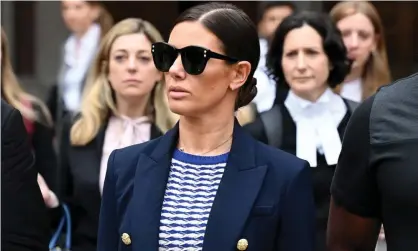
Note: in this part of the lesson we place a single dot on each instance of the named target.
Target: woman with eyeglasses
(207, 184)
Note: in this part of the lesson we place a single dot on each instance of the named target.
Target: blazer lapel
(236, 194)
(150, 182)
(90, 156)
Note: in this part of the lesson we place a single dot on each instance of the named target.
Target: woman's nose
(177, 70)
(132, 65)
(301, 62)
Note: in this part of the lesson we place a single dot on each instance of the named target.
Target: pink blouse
(121, 132)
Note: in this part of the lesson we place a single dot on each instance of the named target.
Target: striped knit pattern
(191, 189)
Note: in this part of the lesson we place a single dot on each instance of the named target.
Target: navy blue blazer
(265, 197)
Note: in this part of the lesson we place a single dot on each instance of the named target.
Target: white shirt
(77, 63)
(317, 126)
(121, 132)
(352, 90)
(266, 86)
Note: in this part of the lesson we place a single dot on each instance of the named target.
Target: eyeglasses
(193, 58)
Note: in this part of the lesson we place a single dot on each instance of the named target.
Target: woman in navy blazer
(207, 184)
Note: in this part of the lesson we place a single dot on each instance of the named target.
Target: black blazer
(265, 196)
(54, 103)
(79, 185)
(42, 141)
(24, 219)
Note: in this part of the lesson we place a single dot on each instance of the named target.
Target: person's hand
(382, 234)
(50, 199)
(46, 192)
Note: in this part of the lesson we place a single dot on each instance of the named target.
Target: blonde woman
(363, 35)
(88, 22)
(37, 120)
(123, 106)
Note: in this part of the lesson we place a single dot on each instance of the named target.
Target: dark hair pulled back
(238, 35)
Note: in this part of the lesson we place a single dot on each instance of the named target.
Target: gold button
(242, 245)
(126, 239)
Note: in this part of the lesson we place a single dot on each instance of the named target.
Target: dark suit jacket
(79, 185)
(24, 219)
(265, 196)
(42, 144)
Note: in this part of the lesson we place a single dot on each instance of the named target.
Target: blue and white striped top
(191, 189)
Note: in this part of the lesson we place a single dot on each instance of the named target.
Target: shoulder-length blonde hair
(376, 72)
(14, 94)
(98, 102)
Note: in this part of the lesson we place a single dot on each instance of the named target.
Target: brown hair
(238, 34)
(105, 19)
(246, 94)
(13, 93)
(376, 72)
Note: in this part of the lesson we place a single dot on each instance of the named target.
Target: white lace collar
(317, 126)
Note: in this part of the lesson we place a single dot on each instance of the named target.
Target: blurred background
(36, 31)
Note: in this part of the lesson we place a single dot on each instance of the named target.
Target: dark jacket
(265, 196)
(42, 142)
(24, 219)
(79, 185)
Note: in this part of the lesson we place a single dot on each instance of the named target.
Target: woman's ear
(240, 75)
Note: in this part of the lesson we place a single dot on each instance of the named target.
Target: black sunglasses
(194, 58)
